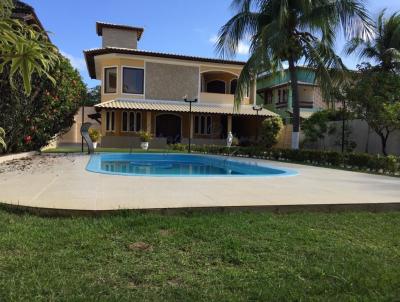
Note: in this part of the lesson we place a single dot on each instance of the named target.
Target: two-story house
(275, 93)
(145, 91)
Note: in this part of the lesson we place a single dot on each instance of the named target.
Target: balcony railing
(220, 98)
(303, 104)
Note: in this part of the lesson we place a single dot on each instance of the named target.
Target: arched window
(216, 86)
(233, 86)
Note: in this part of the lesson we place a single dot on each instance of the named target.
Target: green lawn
(208, 257)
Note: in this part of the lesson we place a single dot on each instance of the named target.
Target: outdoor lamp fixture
(257, 108)
(190, 119)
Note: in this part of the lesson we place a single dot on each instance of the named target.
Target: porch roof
(181, 106)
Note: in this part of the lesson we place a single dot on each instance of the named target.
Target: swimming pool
(160, 164)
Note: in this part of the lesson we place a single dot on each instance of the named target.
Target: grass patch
(203, 256)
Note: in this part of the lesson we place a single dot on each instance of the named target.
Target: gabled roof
(92, 53)
(101, 25)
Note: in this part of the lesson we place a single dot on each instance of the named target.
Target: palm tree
(2, 142)
(384, 48)
(292, 31)
(26, 49)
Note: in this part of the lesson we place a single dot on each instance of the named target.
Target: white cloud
(77, 62)
(242, 49)
(213, 39)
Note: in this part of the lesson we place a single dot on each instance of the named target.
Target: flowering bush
(30, 122)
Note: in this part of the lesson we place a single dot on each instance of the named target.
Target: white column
(254, 92)
(229, 126)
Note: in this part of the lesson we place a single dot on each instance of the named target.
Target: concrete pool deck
(62, 182)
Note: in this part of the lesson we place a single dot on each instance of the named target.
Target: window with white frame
(131, 121)
(110, 80)
(133, 80)
(283, 95)
(110, 121)
(202, 124)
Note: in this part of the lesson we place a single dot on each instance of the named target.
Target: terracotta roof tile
(180, 106)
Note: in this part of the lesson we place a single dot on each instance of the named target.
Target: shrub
(179, 147)
(357, 161)
(316, 128)
(94, 134)
(270, 129)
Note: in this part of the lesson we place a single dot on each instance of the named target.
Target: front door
(169, 126)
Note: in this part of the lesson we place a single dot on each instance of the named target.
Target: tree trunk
(295, 104)
(343, 125)
(367, 142)
(384, 138)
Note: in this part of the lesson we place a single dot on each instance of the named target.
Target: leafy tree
(317, 126)
(270, 129)
(292, 31)
(24, 48)
(30, 122)
(384, 48)
(93, 96)
(375, 97)
(2, 136)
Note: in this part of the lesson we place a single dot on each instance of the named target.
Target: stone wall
(119, 38)
(171, 82)
(366, 139)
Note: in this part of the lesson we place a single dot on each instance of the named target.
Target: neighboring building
(144, 90)
(274, 92)
(26, 13)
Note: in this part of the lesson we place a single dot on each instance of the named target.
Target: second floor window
(283, 95)
(110, 80)
(202, 124)
(133, 80)
(131, 121)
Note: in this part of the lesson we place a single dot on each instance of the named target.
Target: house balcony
(303, 104)
(219, 98)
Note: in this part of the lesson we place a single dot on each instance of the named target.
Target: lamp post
(257, 108)
(190, 119)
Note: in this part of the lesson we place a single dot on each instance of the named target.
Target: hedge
(353, 161)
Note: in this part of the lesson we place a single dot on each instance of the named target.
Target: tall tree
(25, 48)
(384, 48)
(292, 31)
(374, 96)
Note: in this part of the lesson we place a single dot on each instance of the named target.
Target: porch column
(254, 95)
(148, 121)
(229, 124)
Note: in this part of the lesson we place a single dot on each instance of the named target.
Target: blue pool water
(157, 164)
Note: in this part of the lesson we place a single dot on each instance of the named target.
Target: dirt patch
(140, 246)
(165, 233)
(33, 163)
(174, 282)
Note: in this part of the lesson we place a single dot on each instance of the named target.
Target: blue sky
(177, 26)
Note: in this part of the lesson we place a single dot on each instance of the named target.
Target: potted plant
(94, 136)
(145, 137)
